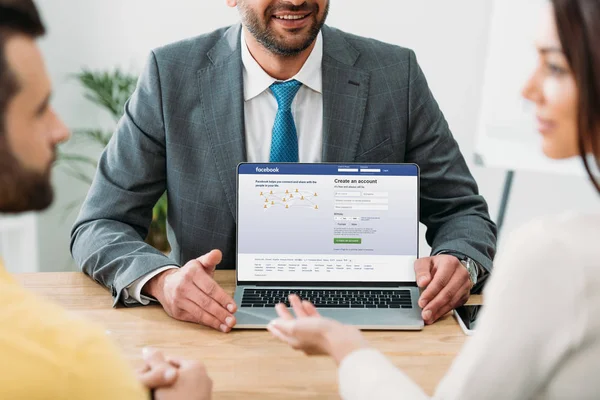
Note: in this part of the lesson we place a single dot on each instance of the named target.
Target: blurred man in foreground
(46, 353)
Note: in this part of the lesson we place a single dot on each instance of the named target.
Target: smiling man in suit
(280, 87)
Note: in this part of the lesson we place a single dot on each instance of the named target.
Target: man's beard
(22, 190)
(263, 33)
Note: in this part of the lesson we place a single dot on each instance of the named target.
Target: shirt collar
(256, 80)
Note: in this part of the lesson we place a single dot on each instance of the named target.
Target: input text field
(347, 194)
(359, 207)
(375, 194)
(362, 201)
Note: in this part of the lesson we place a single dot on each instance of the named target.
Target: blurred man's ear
(231, 3)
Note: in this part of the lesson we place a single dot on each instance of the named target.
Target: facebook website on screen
(327, 223)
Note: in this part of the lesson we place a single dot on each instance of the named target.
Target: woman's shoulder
(552, 240)
(556, 254)
(568, 226)
(566, 219)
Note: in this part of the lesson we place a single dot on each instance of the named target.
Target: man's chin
(43, 203)
(293, 48)
(30, 205)
(292, 43)
(23, 189)
(26, 196)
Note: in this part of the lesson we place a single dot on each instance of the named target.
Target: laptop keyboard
(329, 298)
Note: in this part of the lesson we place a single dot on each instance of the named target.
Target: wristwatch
(471, 266)
(472, 269)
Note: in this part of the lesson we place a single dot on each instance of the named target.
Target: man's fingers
(458, 300)
(161, 375)
(157, 372)
(423, 271)
(206, 303)
(208, 319)
(296, 304)
(143, 369)
(465, 297)
(210, 261)
(310, 309)
(283, 312)
(440, 313)
(455, 287)
(151, 355)
(175, 362)
(158, 378)
(190, 312)
(439, 281)
(208, 285)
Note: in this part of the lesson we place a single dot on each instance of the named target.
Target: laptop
(344, 236)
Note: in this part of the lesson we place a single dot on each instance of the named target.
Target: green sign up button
(347, 241)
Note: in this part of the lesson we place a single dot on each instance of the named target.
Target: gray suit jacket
(183, 132)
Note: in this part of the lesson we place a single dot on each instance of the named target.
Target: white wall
(18, 242)
(450, 38)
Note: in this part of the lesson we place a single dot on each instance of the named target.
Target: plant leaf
(67, 157)
(81, 176)
(70, 207)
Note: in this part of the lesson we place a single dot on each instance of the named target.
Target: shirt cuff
(368, 374)
(134, 291)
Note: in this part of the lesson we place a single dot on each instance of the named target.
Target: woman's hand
(313, 334)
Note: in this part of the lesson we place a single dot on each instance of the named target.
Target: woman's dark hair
(578, 23)
(16, 17)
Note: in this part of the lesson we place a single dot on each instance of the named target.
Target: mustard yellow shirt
(45, 353)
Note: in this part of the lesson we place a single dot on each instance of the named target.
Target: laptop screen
(327, 223)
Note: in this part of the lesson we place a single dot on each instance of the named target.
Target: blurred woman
(539, 336)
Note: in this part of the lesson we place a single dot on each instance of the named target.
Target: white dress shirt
(260, 109)
(538, 336)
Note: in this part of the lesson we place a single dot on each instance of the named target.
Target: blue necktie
(284, 143)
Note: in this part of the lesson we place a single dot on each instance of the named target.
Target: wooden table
(244, 364)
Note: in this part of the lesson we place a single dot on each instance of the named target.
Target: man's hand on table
(174, 379)
(191, 294)
(446, 285)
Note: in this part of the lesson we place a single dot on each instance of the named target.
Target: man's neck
(279, 67)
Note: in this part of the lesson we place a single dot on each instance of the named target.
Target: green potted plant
(109, 90)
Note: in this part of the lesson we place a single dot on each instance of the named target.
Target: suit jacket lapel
(222, 96)
(345, 92)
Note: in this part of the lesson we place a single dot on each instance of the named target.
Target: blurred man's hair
(17, 17)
